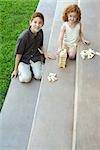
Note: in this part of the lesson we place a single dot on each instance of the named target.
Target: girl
(71, 31)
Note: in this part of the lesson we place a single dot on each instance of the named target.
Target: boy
(29, 50)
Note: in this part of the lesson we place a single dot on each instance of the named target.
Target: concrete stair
(53, 119)
(64, 115)
(88, 82)
(18, 110)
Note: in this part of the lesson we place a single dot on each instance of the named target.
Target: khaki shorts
(70, 47)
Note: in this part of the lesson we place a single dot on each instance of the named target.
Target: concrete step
(53, 118)
(88, 83)
(18, 110)
(17, 115)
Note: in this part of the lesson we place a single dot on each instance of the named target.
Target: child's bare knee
(72, 56)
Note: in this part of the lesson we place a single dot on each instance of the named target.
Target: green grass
(14, 18)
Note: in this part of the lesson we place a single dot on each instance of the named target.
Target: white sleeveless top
(72, 35)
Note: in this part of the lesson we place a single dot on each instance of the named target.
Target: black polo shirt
(28, 44)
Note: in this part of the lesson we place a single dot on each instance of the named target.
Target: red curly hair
(69, 9)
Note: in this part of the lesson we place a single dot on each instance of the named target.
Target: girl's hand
(85, 42)
(14, 74)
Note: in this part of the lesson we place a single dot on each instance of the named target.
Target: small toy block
(62, 59)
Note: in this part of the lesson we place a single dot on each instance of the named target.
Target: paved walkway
(18, 110)
(56, 126)
(64, 115)
(88, 82)
(53, 120)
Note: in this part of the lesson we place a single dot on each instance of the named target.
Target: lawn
(14, 18)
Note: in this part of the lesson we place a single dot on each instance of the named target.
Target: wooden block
(62, 58)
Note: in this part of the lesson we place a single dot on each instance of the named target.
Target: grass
(14, 18)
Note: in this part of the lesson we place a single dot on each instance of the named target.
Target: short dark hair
(37, 14)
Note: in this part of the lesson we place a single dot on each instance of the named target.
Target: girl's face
(36, 24)
(72, 17)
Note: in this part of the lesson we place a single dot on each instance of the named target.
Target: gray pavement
(64, 115)
(53, 120)
(88, 82)
(18, 110)
(17, 115)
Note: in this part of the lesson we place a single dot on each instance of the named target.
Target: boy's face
(72, 17)
(36, 24)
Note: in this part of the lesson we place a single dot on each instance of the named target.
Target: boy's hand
(58, 51)
(14, 74)
(50, 56)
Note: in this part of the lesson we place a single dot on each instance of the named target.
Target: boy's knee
(25, 79)
(37, 76)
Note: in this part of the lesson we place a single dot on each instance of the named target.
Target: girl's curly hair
(69, 9)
